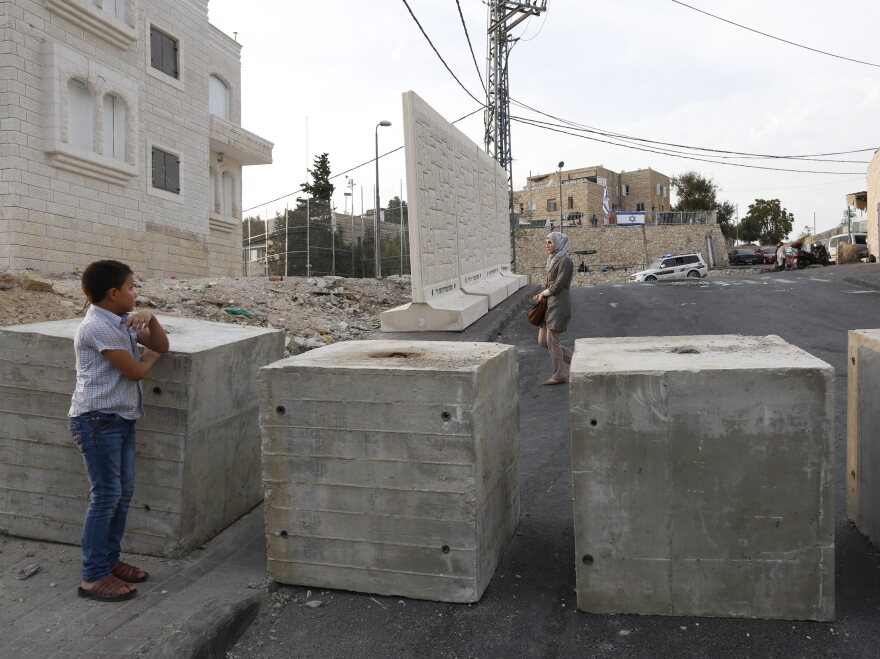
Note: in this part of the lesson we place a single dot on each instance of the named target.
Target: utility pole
(504, 15)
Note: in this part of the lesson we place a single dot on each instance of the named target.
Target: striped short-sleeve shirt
(100, 386)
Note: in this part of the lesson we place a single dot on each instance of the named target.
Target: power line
(675, 155)
(613, 134)
(770, 36)
(674, 148)
(437, 52)
(351, 169)
(470, 46)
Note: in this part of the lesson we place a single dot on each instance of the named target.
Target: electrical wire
(770, 36)
(675, 155)
(470, 46)
(585, 127)
(351, 169)
(437, 52)
(673, 149)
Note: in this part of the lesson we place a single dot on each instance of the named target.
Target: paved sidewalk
(197, 605)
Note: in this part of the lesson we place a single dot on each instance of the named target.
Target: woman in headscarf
(559, 272)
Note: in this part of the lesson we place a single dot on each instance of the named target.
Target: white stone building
(120, 137)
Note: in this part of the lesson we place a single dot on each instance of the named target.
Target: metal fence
(306, 243)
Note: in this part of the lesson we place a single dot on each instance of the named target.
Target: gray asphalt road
(529, 608)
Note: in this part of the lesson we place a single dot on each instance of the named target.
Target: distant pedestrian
(560, 270)
(106, 403)
(780, 256)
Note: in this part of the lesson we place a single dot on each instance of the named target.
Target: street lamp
(561, 225)
(377, 251)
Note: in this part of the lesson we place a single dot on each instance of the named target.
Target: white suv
(681, 266)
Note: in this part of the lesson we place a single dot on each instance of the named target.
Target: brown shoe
(107, 589)
(129, 573)
(552, 381)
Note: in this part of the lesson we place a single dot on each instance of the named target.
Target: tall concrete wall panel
(198, 446)
(391, 467)
(459, 228)
(863, 433)
(703, 472)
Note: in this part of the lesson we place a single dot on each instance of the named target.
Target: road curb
(211, 632)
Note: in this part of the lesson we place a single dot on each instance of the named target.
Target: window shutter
(158, 169)
(155, 49)
(169, 56)
(172, 173)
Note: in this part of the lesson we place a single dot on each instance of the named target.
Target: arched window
(218, 97)
(226, 194)
(80, 117)
(114, 127)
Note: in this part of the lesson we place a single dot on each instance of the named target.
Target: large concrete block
(198, 446)
(863, 433)
(391, 467)
(703, 473)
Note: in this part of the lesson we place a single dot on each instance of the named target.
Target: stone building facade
(874, 205)
(121, 137)
(583, 191)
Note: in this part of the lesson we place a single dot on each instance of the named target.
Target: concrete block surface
(198, 445)
(391, 467)
(863, 433)
(703, 471)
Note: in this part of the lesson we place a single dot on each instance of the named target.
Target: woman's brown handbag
(536, 313)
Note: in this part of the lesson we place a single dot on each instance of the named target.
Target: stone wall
(629, 248)
(874, 205)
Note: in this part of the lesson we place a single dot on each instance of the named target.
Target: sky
(318, 76)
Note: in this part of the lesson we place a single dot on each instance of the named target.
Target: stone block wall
(874, 205)
(62, 205)
(632, 248)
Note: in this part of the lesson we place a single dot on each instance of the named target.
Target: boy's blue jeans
(106, 442)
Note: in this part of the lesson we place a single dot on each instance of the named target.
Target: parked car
(767, 254)
(680, 266)
(859, 239)
(743, 256)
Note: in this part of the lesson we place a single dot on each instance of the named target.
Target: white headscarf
(562, 247)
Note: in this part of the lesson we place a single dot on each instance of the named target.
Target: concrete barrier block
(863, 433)
(391, 467)
(703, 473)
(198, 447)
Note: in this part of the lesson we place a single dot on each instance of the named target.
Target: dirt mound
(312, 311)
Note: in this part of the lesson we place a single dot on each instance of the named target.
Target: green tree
(396, 211)
(767, 221)
(320, 189)
(696, 192)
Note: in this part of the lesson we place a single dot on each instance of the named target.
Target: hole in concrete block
(283, 534)
(853, 360)
(280, 409)
(685, 350)
(157, 391)
(147, 507)
(852, 473)
(397, 354)
(446, 416)
(587, 559)
(445, 549)
(593, 422)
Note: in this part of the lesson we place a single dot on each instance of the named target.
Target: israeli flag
(606, 205)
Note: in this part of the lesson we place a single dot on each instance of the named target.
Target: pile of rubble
(312, 311)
